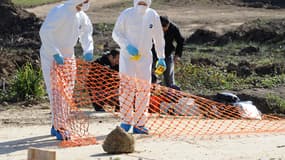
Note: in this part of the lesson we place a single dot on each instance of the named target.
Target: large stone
(119, 141)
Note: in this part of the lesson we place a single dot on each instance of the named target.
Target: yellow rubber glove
(159, 70)
(160, 66)
(136, 58)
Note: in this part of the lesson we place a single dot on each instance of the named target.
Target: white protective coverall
(140, 29)
(59, 33)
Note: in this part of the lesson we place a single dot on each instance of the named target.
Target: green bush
(276, 103)
(207, 79)
(198, 78)
(27, 84)
(264, 82)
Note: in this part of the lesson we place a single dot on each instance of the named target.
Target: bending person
(173, 53)
(63, 26)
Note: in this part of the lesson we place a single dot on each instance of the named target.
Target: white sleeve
(48, 31)
(158, 37)
(119, 32)
(85, 37)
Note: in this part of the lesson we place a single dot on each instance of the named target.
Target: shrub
(275, 103)
(27, 84)
(197, 78)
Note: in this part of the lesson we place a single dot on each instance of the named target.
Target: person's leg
(127, 92)
(63, 96)
(154, 78)
(142, 102)
(46, 63)
(143, 86)
(90, 83)
(169, 72)
(115, 99)
(94, 86)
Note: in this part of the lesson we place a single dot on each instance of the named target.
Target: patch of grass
(123, 4)
(210, 79)
(103, 27)
(263, 82)
(202, 80)
(276, 103)
(31, 3)
(273, 52)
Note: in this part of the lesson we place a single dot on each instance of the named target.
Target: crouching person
(96, 86)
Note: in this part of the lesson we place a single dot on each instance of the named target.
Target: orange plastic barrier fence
(171, 113)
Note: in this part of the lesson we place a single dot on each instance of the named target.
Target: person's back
(110, 59)
(171, 36)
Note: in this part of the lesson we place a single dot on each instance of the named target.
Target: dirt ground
(219, 18)
(29, 126)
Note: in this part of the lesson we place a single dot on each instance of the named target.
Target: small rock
(119, 141)
(5, 103)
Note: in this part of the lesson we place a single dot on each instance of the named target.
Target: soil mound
(19, 38)
(269, 4)
(259, 30)
(15, 20)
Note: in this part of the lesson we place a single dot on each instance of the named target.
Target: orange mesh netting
(171, 113)
(68, 118)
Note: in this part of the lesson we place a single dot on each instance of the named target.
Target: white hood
(148, 2)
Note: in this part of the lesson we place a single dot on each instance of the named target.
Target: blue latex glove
(161, 62)
(58, 59)
(88, 57)
(132, 50)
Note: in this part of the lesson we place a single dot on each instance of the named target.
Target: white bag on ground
(249, 110)
(184, 107)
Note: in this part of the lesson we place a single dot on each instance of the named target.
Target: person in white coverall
(135, 30)
(63, 26)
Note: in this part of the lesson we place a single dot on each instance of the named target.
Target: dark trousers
(168, 75)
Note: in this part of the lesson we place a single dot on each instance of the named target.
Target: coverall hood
(141, 9)
(148, 2)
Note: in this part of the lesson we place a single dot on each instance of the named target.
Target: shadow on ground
(23, 144)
